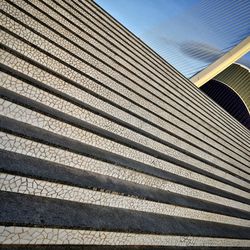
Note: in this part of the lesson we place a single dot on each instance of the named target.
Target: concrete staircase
(104, 145)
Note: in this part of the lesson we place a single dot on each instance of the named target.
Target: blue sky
(176, 28)
(140, 16)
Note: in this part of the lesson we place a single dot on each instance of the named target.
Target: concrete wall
(102, 142)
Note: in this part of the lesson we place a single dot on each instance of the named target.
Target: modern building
(231, 90)
(104, 145)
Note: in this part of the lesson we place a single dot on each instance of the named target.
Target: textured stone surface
(26, 235)
(44, 212)
(159, 66)
(78, 112)
(42, 151)
(78, 71)
(37, 119)
(102, 143)
(45, 170)
(19, 184)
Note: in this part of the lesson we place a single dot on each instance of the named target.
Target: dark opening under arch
(228, 99)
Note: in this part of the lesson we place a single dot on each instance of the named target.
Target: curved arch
(229, 99)
(243, 66)
(237, 77)
(238, 94)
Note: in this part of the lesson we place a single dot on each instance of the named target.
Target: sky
(189, 34)
(140, 16)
